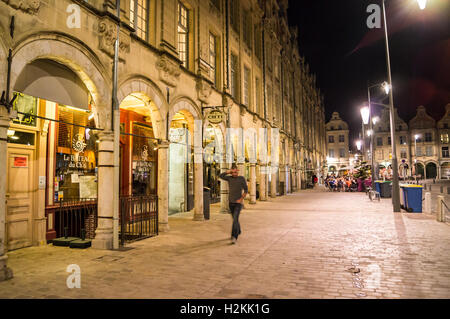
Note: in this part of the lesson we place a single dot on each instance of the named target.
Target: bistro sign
(215, 117)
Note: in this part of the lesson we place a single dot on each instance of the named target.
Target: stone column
(282, 178)
(40, 221)
(299, 179)
(163, 186)
(252, 183)
(224, 207)
(5, 272)
(104, 233)
(273, 182)
(262, 182)
(198, 184)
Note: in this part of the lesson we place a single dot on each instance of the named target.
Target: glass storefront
(76, 155)
(73, 172)
(181, 169)
(211, 161)
(138, 155)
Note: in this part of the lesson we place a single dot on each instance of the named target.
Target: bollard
(442, 189)
(440, 217)
(427, 204)
(448, 190)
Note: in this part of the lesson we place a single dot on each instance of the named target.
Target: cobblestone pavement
(305, 245)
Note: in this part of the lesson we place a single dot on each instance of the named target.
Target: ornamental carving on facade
(28, 6)
(169, 70)
(203, 90)
(243, 110)
(227, 101)
(107, 38)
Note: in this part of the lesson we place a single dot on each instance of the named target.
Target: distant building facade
(337, 139)
(422, 145)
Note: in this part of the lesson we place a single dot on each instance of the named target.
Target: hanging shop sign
(215, 117)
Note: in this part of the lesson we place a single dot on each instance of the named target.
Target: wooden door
(20, 198)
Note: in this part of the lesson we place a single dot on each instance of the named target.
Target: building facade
(187, 69)
(382, 147)
(443, 144)
(338, 151)
(422, 145)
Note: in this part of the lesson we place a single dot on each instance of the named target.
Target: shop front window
(144, 159)
(76, 155)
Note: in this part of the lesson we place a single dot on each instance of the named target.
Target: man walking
(237, 191)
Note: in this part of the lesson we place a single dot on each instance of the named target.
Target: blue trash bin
(413, 198)
(402, 196)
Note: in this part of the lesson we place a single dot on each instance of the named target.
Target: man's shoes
(233, 240)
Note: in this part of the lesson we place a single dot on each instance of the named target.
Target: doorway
(20, 195)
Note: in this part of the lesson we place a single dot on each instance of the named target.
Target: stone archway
(189, 112)
(419, 169)
(81, 61)
(431, 170)
(187, 107)
(156, 103)
(76, 57)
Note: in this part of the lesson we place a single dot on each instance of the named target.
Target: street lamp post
(416, 137)
(395, 181)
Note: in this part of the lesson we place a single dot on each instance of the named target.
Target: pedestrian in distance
(238, 189)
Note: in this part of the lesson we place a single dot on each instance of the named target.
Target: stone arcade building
(176, 59)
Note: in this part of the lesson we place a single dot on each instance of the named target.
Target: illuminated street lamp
(386, 87)
(375, 120)
(358, 144)
(422, 4)
(365, 114)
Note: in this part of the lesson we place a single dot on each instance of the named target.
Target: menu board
(88, 187)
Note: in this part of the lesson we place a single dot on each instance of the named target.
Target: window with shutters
(234, 15)
(213, 59)
(183, 34)
(247, 28)
(234, 76)
(246, 86)
(139, 17)
(258, 36)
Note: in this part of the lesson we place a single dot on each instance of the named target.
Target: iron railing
(73, 217)
(138, 217)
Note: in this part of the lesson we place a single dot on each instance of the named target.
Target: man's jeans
(235, 209)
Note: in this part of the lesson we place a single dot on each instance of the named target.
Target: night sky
(346, 55)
